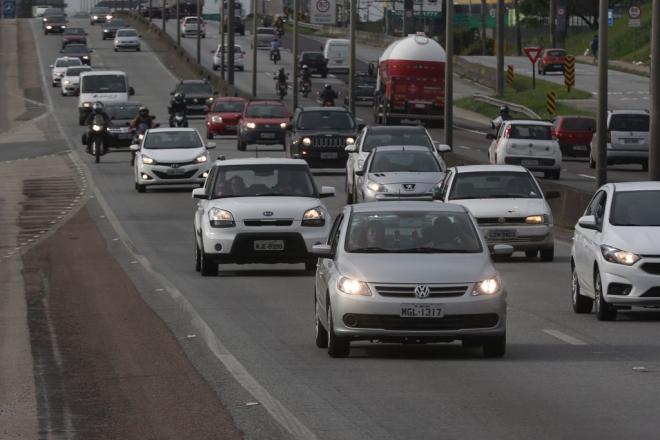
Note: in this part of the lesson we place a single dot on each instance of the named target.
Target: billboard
(322, 12)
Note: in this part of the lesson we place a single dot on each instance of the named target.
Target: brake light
(506, 133)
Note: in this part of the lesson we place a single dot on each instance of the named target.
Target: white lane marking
(276, 409)
(469, 130)
(587, 176)
(464, 147)
(564, 337)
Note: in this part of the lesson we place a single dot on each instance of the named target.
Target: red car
(552, 60)
(224, 116)
(574, 134)
(74, 35)
(264, 122)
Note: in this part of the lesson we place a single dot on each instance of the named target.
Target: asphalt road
(564, 376)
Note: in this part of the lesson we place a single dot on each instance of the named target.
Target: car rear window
(531, 132)
(266, 111)
(578, 124)
(556, 53)
(228, 106)
(494, 185)
(629, 123)
(635, 208)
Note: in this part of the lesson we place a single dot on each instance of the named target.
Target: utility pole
(552, 18)
(295, 54)
(449, 74)
(178, 23)
(483, 27)
(223, 47)
(150, 10)
(499, 74)
(654, 152)
(351, 63)
(163, 13)
(230, 43)
(254, 48)
(199, 31)
(518, 30)
(601, 154)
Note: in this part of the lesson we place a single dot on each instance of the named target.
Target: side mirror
(552, 195)
(359, 173)
(361, 125)
(442, 148)
(588, 222)
(199, 193)
(51, 66)
(350, 148)
(134, 147)
(437, 193)
(210, 146)
(131, 91)
(503, 249)
(327, 191)
(322, 251)
(490, 136)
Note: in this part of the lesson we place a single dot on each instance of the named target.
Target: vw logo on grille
(422, 291)
(267, 213)
(174, 165)
(195, 101)
(408, 186)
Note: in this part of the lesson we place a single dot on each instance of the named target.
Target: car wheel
(547, 174)
(116, 49)
(209, 135)
(140, 188)
(139, 49)
(241, 145)
(54, 84)
(494, 346)
(556, 175)
(604, 310)
(592, 162)
(548, 254)
(581, 303)
(531, 253)
(198, 258)
(321, 334)
(338, 347)
(207, 267)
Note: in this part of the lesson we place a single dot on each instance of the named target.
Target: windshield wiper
(370, 250)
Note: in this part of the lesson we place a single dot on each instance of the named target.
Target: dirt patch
(105, 366)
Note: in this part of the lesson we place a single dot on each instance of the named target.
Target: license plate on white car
(501, 234)
(329, 155)
(268, 245)
(175, 171)
(267, 135)
(421, 311)
(529, 162)
(630, 141)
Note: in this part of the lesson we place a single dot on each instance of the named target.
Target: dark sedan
(55, 24)
(79, 51)
(121, 114)
(74, 36)
(199, 95)
(315, 62)
(110, 28)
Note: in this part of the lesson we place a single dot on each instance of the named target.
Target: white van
(336, 54)
(104, 86)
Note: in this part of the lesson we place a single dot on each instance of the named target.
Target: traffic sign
(533, 53)
(634, 12)
(569, 72)
(561, 11)
(610, 17)
(493, 12)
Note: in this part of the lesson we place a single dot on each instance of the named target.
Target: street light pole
(164, 21)
(654, 152)
(254, 48)
(601, 153)
(199, 31)
(499, 74)
(351, 63)
(223, 47)
(178, 24)
(295, 54)
(449, 73)
(230, 43)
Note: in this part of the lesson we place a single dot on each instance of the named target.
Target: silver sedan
(411, 272)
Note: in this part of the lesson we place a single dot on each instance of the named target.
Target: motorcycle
(179, 120)
(97, 137)
(326, 102)
(279, 31)
(281, 87)
(275, 55)
(305, 87)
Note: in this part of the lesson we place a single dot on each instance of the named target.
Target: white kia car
(615, 259)
(127, 39)
(508, 204)
(529, 143)
(259, 211)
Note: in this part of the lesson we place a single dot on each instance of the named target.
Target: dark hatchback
(56, 24)
(110, 28)
(320, 135)
(574, 134)
(74, 35)
(199, 95)
(315, 61)
(121, 114)
(79, 51)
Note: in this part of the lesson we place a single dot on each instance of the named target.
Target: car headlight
(106, 30)
(210, 98)
(489, 286)
(201, 159)
(87, 104)
(63, 26)
(353, 287)
(614, 255)
(251, 125)
(376, 187)
(283, 125)
(314, 217)
(96, 17)
(216, 119)
(536, 219)
(67, 82)
(307, 141)
(220, 218)
(350, 141)
(85, 57)
(97, 127)
(49, 27)
(147, 160)
(108, 17)
(45, 19)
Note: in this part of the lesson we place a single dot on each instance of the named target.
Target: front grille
(653, 292)
(186, 175)
(504, 220)
(652, 268)
(541, 162)
(449, 322)
(328, 141)
(408, 291)
(274, 222)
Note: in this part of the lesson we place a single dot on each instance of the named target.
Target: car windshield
(411, 232)
(196, 89)
(629, 123)
(578, 124)
(75, 48)
(228, 106)
(56, 19)
(68, 62)
(382, 138)
(74, 31)
(531, 132)
(264, 180)
(100, 10)
(122, 111)
(494, 185)
(104, 84)
(75, 71)
(556, 53)
(118, 23)
(168, 140)
(404, 161)
(127, 33)
(635, 208)
(52, 12)
(266, 111)
(325, 120)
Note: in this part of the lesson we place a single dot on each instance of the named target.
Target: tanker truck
(410, 82)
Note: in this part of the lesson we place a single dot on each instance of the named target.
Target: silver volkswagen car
(413, 272)
(399, 173)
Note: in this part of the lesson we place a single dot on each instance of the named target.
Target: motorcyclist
(274, 47)
(97, 111)
(177, 105)
(305, 74)
(279, 26)
(281, 77)
(505, 115)
(328, 95)
(141, 123)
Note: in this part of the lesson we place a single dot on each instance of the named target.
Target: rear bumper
(625, 156)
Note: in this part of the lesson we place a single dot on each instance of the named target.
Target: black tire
(240, 145)
(320, 333)
(494, 346)
(116, 50)
(592, 162)
(140, 188)
(215, 67)
(604, 310)
(547, 174)
(531, 253)
(338, 347)
(97, 150)
(209, 135)
(645, 166)
(198, 258)
(324, 75)
(139, 49)
(556, 175)
(547, 254)
(581, 303)
(242, 68)
(207, 267)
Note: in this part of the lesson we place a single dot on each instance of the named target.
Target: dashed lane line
(564, 337)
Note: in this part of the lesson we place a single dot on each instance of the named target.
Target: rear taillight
(506, 133)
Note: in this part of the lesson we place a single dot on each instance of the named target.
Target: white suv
(259, 211)
(627, 138)
(528, 143)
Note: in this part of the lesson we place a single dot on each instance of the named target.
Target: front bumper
(70, 89)
(163, 174)
(644, 285)
(221, 128)
(575, 149)
(263, 136)
(127, 45)
(119, 137)
(328, 155)
(377, 317)
(196, 108)
(55, 29)
(522, 238)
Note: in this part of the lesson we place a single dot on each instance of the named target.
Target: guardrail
(515, 107)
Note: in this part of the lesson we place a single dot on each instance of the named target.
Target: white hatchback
(58, 69)
(529, 143)
(127, 39)
(239, 57)
(70, 82)
(615, 259)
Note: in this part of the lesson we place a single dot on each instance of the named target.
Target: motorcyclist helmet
(97, 107)
(304, 67)
(143, 111)
(504, 109)
(178, 97)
